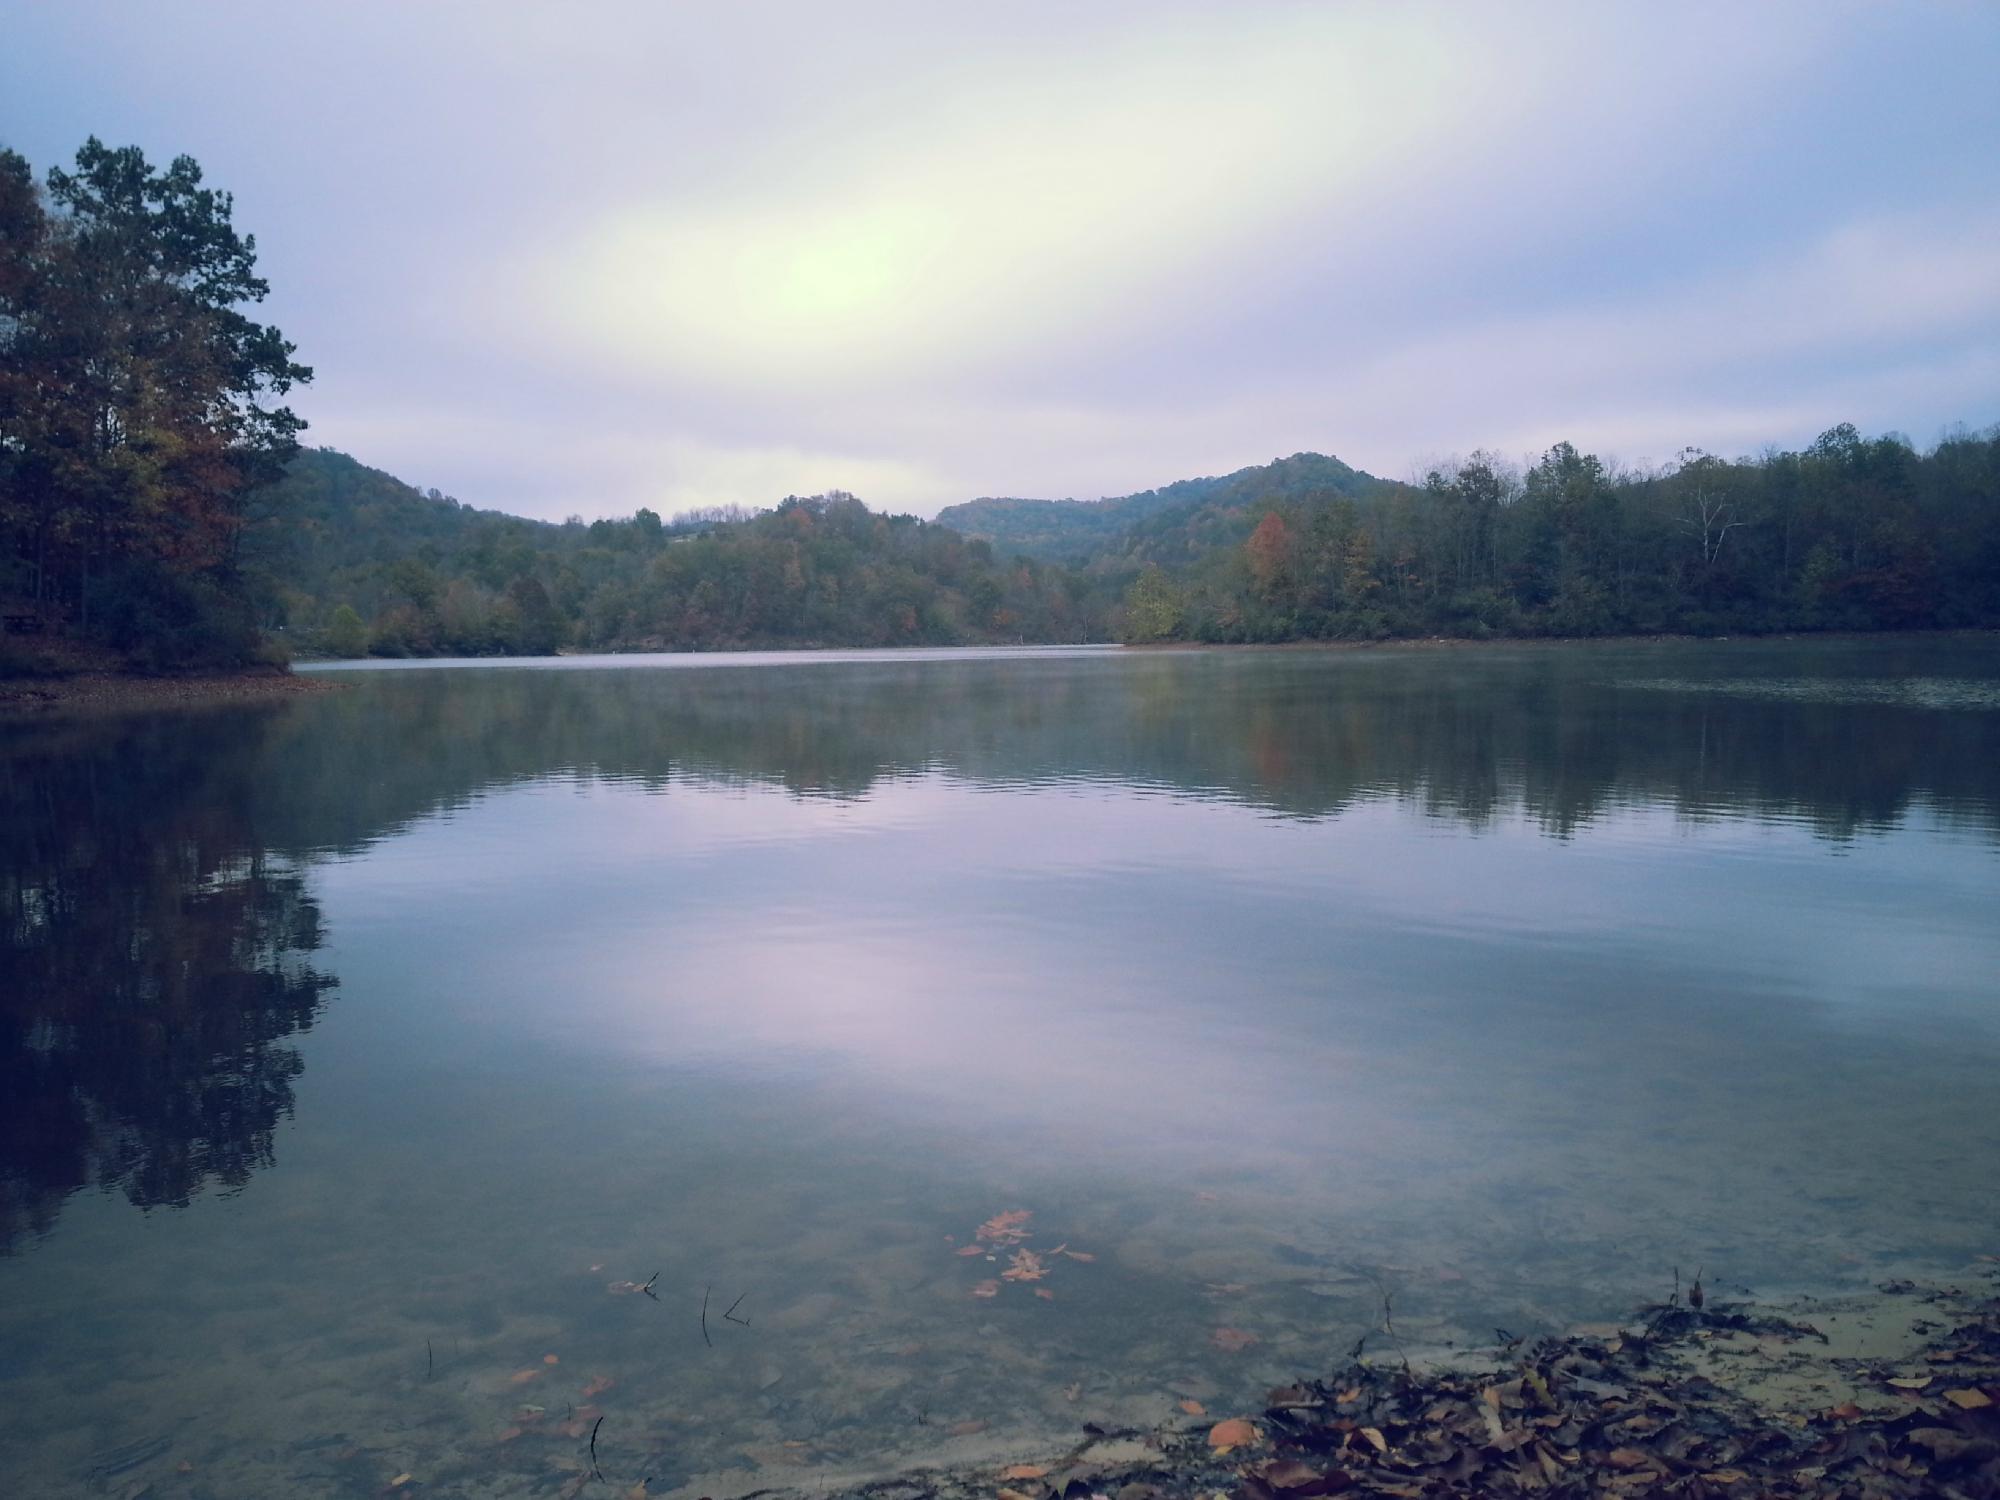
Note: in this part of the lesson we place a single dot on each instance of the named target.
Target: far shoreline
(106, 691)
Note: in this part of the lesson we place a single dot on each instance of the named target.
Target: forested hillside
(346, 559)
(1189, 515)
(1850, 534)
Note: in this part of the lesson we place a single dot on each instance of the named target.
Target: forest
(156, 502)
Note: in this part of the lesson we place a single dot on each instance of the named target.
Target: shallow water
(364, 1050)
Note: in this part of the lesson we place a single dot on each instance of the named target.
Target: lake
(812, 1064)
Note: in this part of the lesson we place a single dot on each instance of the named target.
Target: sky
(579, 258)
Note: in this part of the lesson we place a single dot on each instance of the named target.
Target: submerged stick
(704, 1317)
(648, 1287)
(730, 1316)
(430, 1361)
(593, 1447)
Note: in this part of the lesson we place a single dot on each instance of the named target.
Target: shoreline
(25, 696)
(1891, 1393)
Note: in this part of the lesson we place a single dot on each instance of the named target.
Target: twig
(1389, 1319)
(593, 1447)
(648, 1287)
(704, 1317)
(430, 1361)
(730, 1316)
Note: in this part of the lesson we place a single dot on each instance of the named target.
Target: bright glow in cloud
(992, 217)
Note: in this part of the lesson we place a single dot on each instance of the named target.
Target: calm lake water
(361, 1054)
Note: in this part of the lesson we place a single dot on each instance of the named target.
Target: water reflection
(154, 964)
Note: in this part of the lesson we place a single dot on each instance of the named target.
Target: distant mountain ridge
(1182, 518)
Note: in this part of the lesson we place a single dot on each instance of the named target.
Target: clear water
(359, 1051)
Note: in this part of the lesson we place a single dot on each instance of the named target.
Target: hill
(346, 559)
(1185, 518)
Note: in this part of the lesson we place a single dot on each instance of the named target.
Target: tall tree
(136, 412)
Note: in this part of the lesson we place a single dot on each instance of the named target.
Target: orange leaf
(1232, 1340)
(550, 1359)
(1233, 1433)
(597, 1385)
(508, 1434)
(970, 1250)
(987, 1289)
(1968, 1399)
(1847, 1411)
(1082, 1255)
(1045, 1294)
(522, 1377)
(1025, 1266)
(1194, 1408)
(1007, 1228)
(1023, 1471)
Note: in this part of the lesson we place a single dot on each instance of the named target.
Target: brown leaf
(1626, 1458)
(1232, 1433)
(1082, 1255)
(522, 1377)
(1194, 1408)
(1007, 1494)
(597, 1385)
(1847, 1411)
(1290, 1477)
(1025, 1265)
(550, 1359)
(1045, 1294)
(970, 1250)
(1073, 1390)
(1023, 1471)
(1375, 1439)
(1009, 1227)
(508, 1434)
(1909, 1382)
(637, 1492)
(987, 1289)
(1969, 1399)
(1232, 1340)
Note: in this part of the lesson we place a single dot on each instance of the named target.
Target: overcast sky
(581, 258)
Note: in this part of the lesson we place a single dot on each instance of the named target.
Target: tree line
(1851, 533)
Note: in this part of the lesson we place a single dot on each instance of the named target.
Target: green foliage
(346, 635)
(1853, 533)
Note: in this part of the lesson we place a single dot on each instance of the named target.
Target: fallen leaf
(597, 1268)
(550, 1359)
(1083, 1255)
(987, 1289)
(1023, 1471)
(1233, 1432)
(1375, 1439)
(1007, 1494)
(522, 1377)
(637, 1492)
(399, 1481)
(1968, 1399)
(966, 1429)
(1725, 1476)
(1007, 1228)
(597, 1385)
(1073, 1390)
(508, 1434)
(183, 1467)
(970, 1250)
(1626, 1458)
(1909, 1382)
(1045, 1294)
(1847, 1411)
(1232, 1340)
(1227, 1288)
(1290, 1476)
(1194, 1408)
(1025, 1265)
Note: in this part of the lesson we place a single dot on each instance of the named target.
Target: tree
(134, 416)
